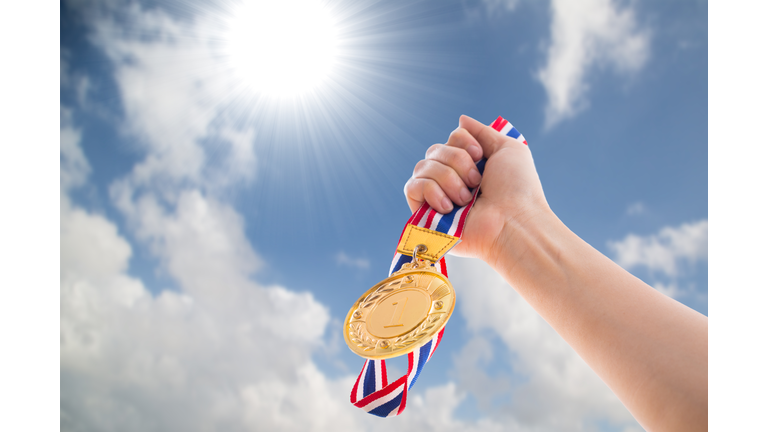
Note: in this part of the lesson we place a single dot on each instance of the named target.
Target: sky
(231, 180)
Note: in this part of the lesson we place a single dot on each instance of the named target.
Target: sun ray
(318, 144)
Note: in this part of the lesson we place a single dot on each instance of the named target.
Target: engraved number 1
(402, 310)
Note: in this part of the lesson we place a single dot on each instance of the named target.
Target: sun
(282, 48)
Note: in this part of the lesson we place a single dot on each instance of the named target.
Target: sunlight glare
(282, 48)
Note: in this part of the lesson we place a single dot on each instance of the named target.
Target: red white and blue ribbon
(507, 129)
(372, 392)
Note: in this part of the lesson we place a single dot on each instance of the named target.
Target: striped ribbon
(372, 392)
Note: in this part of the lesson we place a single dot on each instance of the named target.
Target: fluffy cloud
(344, 259)
(636, 208)
(585, 35)
(665, 251)
(553, 388)
(669, 257)
(74, 166)
(176, 94)
(221, 353)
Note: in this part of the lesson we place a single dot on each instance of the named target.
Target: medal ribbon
(372, 392)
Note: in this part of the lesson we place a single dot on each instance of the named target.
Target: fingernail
(465, 195)
(474, 177)
(447, 204)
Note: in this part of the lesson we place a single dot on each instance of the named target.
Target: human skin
(648, 348)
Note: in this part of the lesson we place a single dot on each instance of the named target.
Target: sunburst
(282, 48)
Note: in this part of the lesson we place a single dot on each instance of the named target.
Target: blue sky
(213, 237)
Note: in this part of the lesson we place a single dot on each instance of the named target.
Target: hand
(648, 348)
(511, 189)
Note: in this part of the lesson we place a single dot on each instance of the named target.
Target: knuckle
(457, 158)
(411, 189)
(408, 186)
(456, 182)
(432, 149)
(427, 188)
(458, 131)
(453, 157)
(491, 135)
(420, 166)
(458, 137)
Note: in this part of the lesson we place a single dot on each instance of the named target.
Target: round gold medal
(400, 313)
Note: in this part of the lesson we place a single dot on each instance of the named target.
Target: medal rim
(430, 333)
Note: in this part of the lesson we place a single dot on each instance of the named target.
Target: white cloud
(558, 390)
(224, 352)
(77, 83)
(433, 410)
(176, 96)
(665, 251)
(471, 365)
(586, 35)
(636, 208)
(221, 353)
(495, 5)
(344, 259)
(74, 166)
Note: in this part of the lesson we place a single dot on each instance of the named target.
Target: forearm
(649, 349)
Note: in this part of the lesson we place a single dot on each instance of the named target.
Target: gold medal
(406, 313)
(400, 313)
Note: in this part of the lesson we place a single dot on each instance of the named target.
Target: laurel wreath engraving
(406, 340)
(440, 293)
(356, 334)
(372, 297)
(359, 338)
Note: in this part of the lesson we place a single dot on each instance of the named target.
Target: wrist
(526, 246)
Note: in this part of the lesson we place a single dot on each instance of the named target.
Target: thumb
(490, 140)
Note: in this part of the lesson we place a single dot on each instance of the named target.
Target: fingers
(447, 173)
(418, 190)
(446, 177)
(457, 158)
(489, 139)
(462, 139)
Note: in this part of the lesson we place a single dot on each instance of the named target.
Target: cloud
(552, 388)
(74, 166)
(636, 208)
(471, 366)
(177, 97)
(71, 81)
(586, 35)
(495, 5)
(221, 353)
(344, 259)
(665, 251)
(434, 410)
(669, 256)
